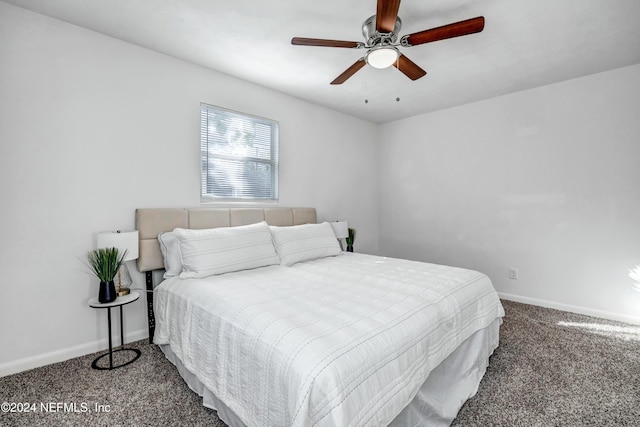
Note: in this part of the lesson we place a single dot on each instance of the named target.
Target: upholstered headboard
(151, 222)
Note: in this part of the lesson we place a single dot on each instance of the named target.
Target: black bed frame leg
(150, 315)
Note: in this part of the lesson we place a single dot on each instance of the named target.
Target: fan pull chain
(397, 80)
(366, 87)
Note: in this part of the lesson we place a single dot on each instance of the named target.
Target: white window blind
(239, 155)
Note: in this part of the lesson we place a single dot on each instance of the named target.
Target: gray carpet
(551, 369)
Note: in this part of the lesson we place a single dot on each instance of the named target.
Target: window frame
(206, 155)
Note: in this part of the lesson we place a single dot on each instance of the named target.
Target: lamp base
(123, 291)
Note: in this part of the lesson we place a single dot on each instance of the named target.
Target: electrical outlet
(513, 273)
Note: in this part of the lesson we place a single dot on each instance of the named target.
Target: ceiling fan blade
(302, 41)
(457, 29)
(386, 15)
(349, 72)
(409, 68)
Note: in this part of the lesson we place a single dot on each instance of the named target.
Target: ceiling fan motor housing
(375, 38)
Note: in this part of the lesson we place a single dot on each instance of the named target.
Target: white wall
(92, 128)
(546, 180)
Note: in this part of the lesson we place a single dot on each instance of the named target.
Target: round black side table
(119, 302)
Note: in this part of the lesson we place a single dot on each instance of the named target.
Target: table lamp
(341, 230)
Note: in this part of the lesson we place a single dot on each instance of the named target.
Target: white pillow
(222, 250)
(304, 242)
(170, 248)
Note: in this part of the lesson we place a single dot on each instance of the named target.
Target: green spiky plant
(105, 262)
(350, 239)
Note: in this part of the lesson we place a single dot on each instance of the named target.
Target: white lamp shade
(340, 229)
(123, 240)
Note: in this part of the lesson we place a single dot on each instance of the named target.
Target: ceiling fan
(381, 34)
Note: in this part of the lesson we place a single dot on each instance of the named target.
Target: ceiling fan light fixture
(382, 57)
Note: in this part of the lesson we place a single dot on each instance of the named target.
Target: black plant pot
(107, 292)
(349, 248)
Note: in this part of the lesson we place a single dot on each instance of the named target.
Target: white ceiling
(525, 44)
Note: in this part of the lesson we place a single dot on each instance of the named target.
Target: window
(239, 155)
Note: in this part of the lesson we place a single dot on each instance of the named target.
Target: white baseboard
(68, 353)
(571, 308)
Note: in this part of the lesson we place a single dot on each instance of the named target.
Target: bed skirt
(437, 402)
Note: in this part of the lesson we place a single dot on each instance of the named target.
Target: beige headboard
(151, 222)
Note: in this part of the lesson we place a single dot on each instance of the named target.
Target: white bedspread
(340, 341)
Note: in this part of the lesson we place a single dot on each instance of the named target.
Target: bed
(315, 338)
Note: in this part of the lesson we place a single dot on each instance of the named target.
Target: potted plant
(105, 263)
(350, 239)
